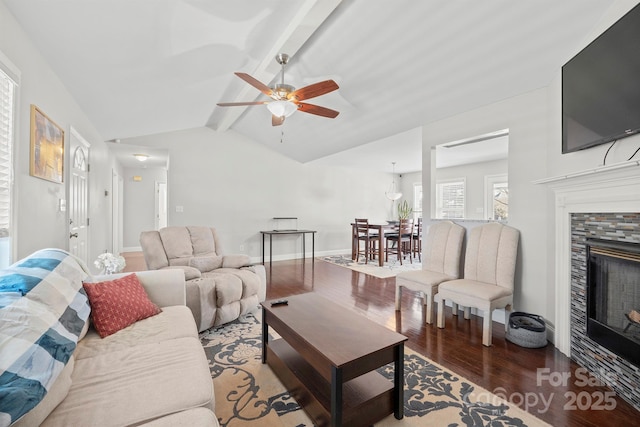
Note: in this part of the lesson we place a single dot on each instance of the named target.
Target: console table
(272, 233)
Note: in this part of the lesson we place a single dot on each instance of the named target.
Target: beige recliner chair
(220, 288)
(489, 271)
(441, 257)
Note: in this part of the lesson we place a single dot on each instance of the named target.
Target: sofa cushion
(202, 240)
(198, 417)
(176, 242)
(250, 281)
(174, 322)
(206, 263)
(473, 289)
(136, 385)
(154, 254)
(118, 303)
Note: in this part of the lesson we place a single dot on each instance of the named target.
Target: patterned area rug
(249, 394)
(389, 269)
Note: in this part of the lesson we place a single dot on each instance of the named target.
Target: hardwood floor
(504, 368)
(134, 261)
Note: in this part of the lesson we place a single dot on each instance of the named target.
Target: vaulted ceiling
(141, 67)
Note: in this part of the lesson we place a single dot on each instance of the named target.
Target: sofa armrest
(164, 287)
(262, 274)
(235, 261)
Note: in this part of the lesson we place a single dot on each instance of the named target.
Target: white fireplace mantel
(606, 189)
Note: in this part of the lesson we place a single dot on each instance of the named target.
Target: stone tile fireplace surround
(602, 203)
(624, 376)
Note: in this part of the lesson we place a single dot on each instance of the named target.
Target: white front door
(79, 196)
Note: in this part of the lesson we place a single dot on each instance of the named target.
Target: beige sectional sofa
(220, 287)
(151, 373)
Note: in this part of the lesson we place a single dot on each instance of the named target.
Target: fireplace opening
(613, 296)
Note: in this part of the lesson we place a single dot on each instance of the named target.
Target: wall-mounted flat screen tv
(601, 87)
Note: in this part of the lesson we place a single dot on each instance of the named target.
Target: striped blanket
(43, 309)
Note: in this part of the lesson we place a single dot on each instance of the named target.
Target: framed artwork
(47, 147)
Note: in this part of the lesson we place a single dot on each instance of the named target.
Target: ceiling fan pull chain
(282, 136)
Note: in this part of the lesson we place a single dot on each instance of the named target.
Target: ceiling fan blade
(314, 90)
(256, 83)
(276, 120)
(317, 110)
(238, 104)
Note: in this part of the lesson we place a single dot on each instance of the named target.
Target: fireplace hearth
(613, 296)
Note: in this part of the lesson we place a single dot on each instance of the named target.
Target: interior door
(78, 196)
(161, 205)
(115, 212)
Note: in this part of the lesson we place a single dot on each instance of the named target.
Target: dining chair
(363, 234)
(403, 241)
(416, 247)
(488, 280)
(443, 250)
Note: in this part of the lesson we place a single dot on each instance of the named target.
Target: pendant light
(393, 193)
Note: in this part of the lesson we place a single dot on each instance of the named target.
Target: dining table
(380, 229)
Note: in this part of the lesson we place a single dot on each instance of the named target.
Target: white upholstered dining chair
(489, 271)
(441, 262)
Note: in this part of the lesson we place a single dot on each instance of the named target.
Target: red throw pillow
(116, 304)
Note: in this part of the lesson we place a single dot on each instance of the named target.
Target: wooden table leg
(354, 242)
(380, 247)
(398, 382)
(336, 396)
(265, 336)
(270, 251)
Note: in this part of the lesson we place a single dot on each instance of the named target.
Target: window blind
(417, 199)
(450, 199)
(7, 94)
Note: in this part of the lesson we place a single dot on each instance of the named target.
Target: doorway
(161, 205)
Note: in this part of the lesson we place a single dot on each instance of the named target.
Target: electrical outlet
(241, 248)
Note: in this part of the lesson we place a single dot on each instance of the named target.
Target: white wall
(38, 221)
(139, 202)
(526, 118)
(236, 185)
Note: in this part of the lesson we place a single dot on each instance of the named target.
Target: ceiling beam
(306, 21)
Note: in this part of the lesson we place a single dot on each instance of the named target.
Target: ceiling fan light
(282, 108)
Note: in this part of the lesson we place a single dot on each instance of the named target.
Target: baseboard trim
(132, 249)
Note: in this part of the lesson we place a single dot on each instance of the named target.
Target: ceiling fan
(286, 99)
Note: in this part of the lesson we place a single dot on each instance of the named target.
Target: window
(8, 88)
(417, 201)
(450, 198)
(497, 197)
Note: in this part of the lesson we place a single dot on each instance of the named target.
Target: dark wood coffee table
(327, 358)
